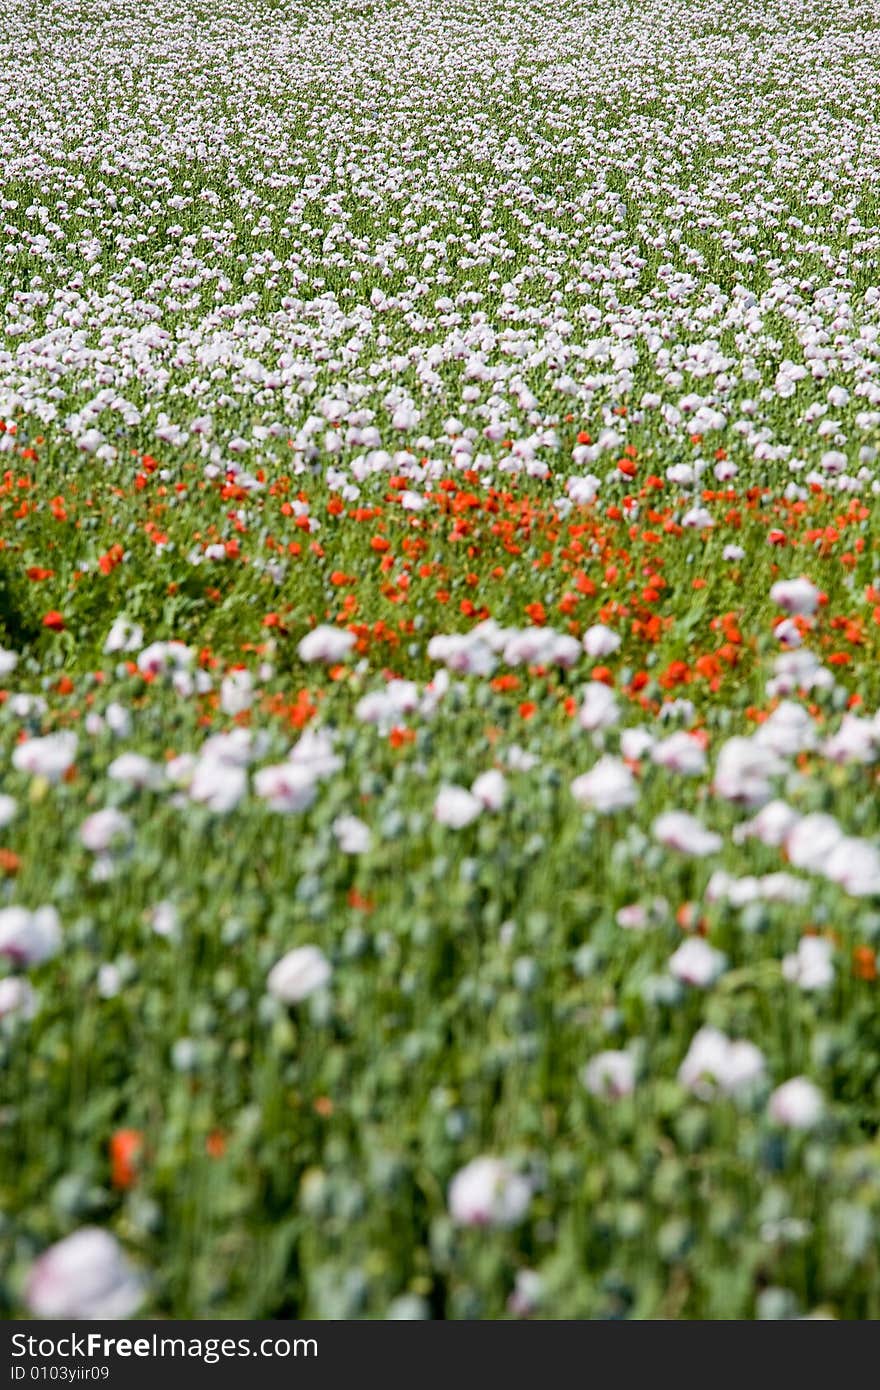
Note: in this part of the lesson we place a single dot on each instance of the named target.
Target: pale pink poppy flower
(405, 418)
(634, 743)
(136, 771)
(787, 731)
(377, 708)
(404, 695)
(833, 461)
(84, 1277)
(854, 865)
(386, 708)
(491, 789)
(724, 887)
(771, 825)
(179, 771)
(795, 596)
(633, 917)
(286, 787)
(609, 786)
(811, 840)
(681, 831)
(456, 807)
(48, 757)
(599, 641)
(237, 692)
(29, 938)
(600, 709)
(530, 646)
(104, 828)
(433, 693)
(677, 709)
(520, 759)
(743, 771)
(124, 636)
(583, 491)
(162, 657)
(564, 651)
(313, 751)
(713, 1062)
(413, 501)
(298, 974)
(698, 519)
(527, 1292)
(696, 963)
(610, 1074)
(118, 719)
(462, 653)
(109, 980)
(17, 997)
(797, 1104)
(488, 1192)
(788, 634)
(641, 916)
(811, 966)
(24, 706)
(352, 835)
(681, 752)
(796, 671)
(784, 888)
(164, 919)
(236, 748)
(218, 785)
(856, 741)
(325, 643)
(780, 887)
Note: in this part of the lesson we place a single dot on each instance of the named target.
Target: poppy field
(439, 637)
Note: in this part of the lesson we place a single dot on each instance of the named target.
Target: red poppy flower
(125, 1150)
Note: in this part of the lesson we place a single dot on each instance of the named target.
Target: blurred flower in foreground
(696, 963)
(681, 831)
(85, 1276)
(714, 1061)
(487, 1192)
(526, 1296)
(48, 757)
(352, 835)
(797, 1104)
(811, 966)
(609, 786)
(610, 1074)
(298, 974)
(28, 938)
(17, 997)
(456, 807)
(796, 596)
(126, 1147)
(326, 644)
